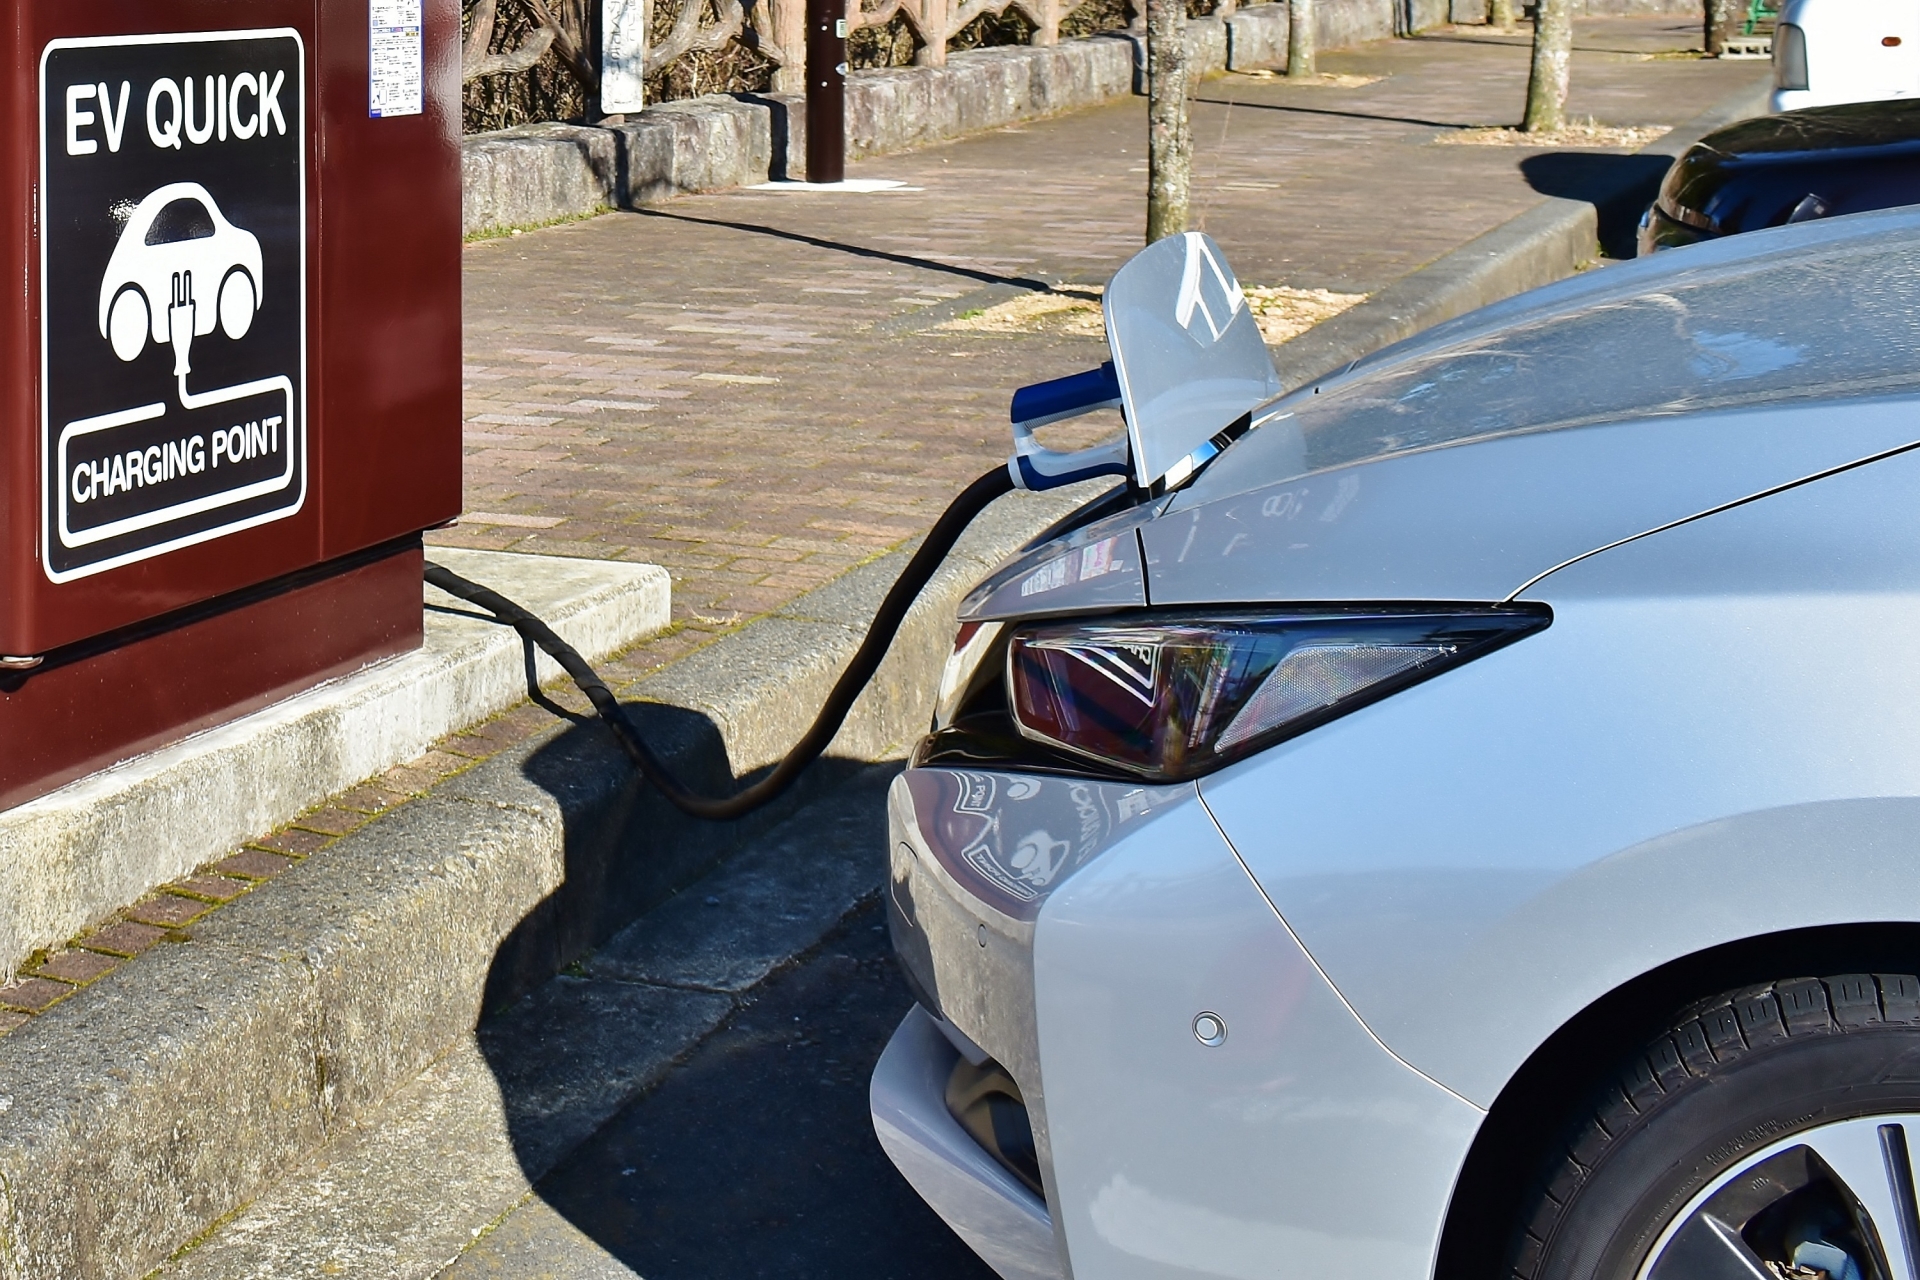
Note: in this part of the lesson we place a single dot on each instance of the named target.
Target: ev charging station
(230, 381)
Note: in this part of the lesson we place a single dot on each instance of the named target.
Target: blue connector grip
(1067, 397)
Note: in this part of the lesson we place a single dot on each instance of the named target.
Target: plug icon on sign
(175, 244)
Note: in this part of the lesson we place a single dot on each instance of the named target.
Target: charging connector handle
(1033, 465)
(1061, 398)
(886, 623)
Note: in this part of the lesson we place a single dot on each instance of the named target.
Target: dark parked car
(1792, 167)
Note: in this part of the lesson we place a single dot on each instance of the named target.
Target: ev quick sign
(172, 292)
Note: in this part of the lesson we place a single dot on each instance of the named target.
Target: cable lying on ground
(946, 531)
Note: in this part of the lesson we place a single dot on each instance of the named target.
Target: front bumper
(1779, 100)
(1077, 932)
(1002, 1221)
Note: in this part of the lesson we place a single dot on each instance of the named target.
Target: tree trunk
(1300, 51)
(1500, 14)
(1552, 56)
(1169, 139)
(1721, 18)
(785, 24)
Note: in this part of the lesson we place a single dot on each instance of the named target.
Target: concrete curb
(190, 1080)
(76, 854)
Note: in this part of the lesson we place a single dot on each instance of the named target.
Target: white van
(1830, 51)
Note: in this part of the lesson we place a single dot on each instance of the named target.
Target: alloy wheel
(1836, 1200)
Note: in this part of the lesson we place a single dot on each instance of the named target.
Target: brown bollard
(826, 90)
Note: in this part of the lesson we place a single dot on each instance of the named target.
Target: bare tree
(1169, 139)
(1500, 14)
(476, 58)
(1301, 59)
(1552, 60)
(689, 36)
(565, 27)
(1721, 17)
(570, 21)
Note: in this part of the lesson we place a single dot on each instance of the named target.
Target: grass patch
(1587, 133)
(1281, 311)
(522, 228)
(1324, 80)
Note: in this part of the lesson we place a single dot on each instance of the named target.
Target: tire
(237, 302)
(128, 322)
(1761, 1075)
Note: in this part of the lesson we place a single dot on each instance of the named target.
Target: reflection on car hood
(1467, 461)
(1838, 160)
(1820, 129)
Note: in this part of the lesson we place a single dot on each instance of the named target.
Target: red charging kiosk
(230, 381)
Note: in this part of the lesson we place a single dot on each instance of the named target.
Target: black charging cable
(940, 539)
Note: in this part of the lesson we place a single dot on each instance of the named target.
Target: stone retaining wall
(549, 172)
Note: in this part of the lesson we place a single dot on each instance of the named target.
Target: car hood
(1467, 462)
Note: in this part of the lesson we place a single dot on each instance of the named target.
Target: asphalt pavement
(756, 1157)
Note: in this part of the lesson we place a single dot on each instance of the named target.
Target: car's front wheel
(1769, 1134)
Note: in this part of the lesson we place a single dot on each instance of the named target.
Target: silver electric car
(1460, 819)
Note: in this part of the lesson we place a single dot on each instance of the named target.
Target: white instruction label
(393, 69)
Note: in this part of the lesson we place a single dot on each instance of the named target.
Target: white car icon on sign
(174, 239)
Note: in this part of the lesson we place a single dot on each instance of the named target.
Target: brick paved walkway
(750, 387)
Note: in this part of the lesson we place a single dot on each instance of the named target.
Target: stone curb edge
(187, 1083)
(71, 856)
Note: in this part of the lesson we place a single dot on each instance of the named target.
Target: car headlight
(1172, 697)
(977, 644)
(1789, 57)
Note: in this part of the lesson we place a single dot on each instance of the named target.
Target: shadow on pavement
(1517, 39)
(757, 1158)
(1619, 187)
(1522, 38)
(625, 848)
(858, 251)
(1344, 115)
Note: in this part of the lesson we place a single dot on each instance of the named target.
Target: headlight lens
(976, 643)
(1173, 698)
(1789, 57)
